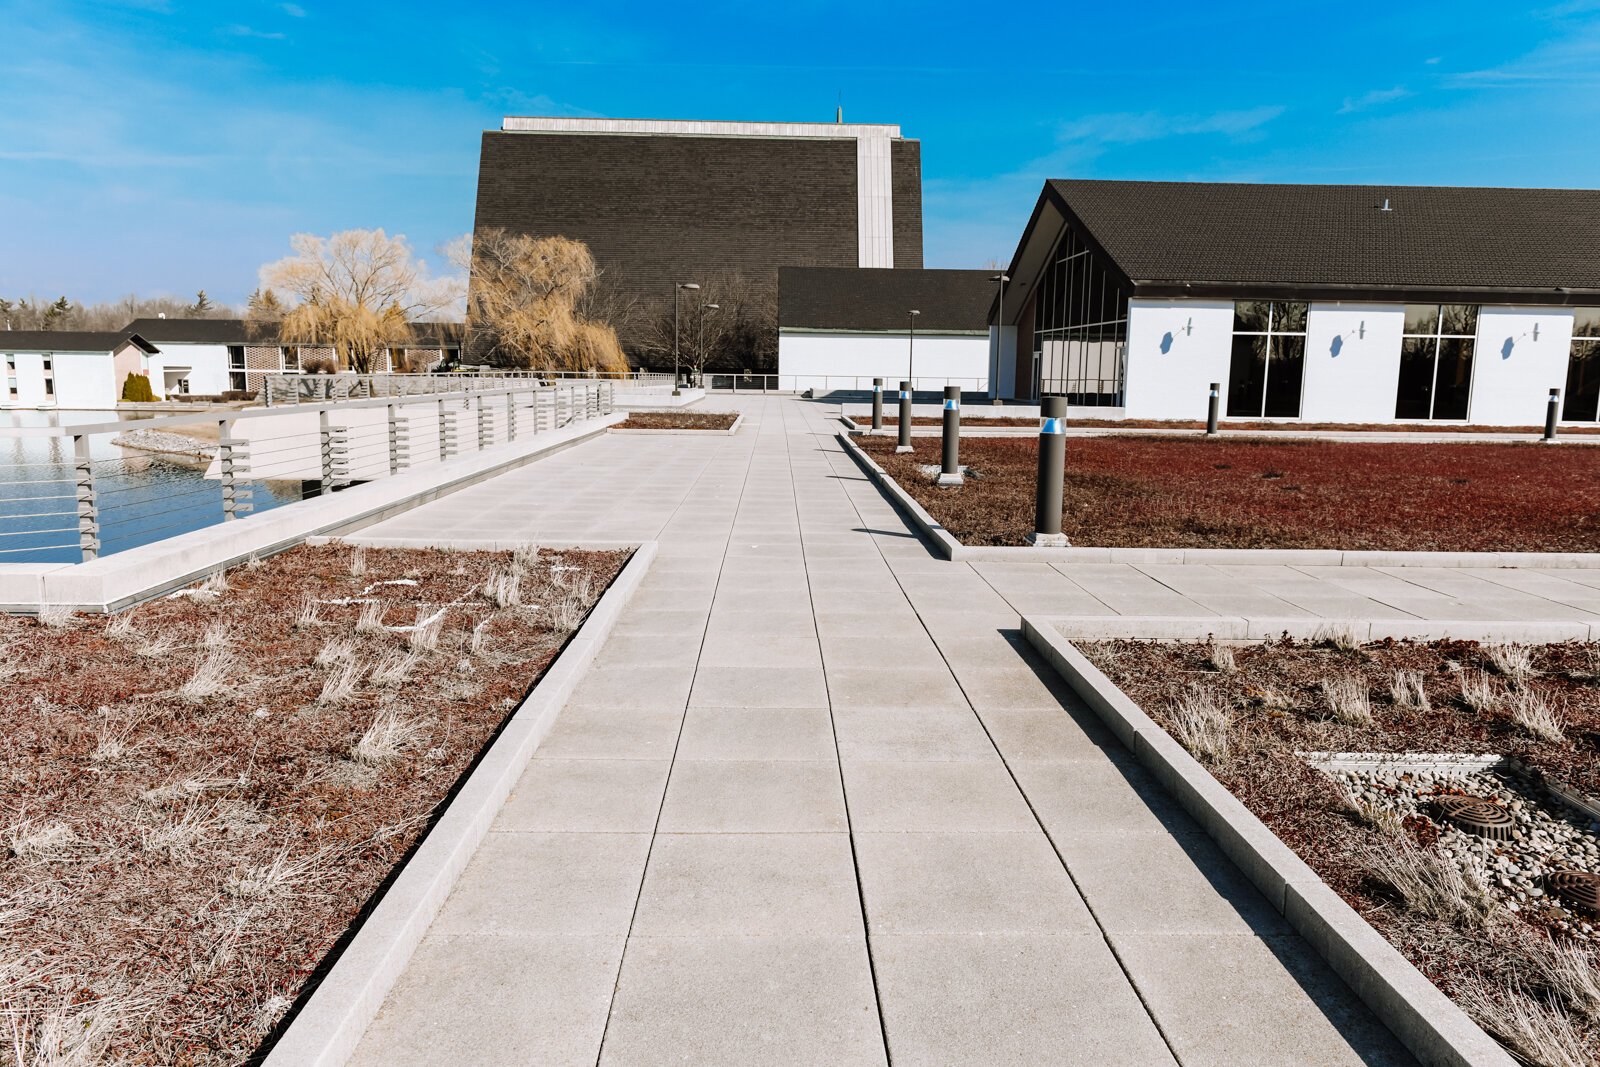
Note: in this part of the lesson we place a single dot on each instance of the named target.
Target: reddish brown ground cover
(1162, 492)
(934, 420)
(679, 420)
(1278, 710)
(1241, 427)
(176, 862)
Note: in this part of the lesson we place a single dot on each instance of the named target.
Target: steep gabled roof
(874, 299)
(70, 340)
(1333, 241)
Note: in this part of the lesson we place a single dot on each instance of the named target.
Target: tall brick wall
(660, 209)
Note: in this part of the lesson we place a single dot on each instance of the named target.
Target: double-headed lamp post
(701, 351)
(679, 287)
(911, 346)
(999, 335)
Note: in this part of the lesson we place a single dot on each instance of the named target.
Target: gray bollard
(950, 470)
(904, 444)
(877, 403)
(1052, 467)
(1212, 409)
(1551, 415)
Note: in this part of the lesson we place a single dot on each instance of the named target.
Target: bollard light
(877, 403)
(950, 470)
(1052, 473)
(1551, 415)
(1212, 409)
(904, 443)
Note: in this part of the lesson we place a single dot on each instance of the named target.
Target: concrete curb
(729, 432)
(113, 582)
(1242, 628)
(1427, 1022)
(954, 550)
(328, 1028)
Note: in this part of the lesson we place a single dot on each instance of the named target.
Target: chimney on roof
(1386, 206)
(838, 115)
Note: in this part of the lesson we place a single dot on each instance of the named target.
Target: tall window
(49, 376)
(1436, 361)
(289, 356)
(1080, 327)
(1269, 359)
(236, 368)
(1581, 401)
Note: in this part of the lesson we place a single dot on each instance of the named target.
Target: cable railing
(73, 493)
(837, 385)
(294, 387)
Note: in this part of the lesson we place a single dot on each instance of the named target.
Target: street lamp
(911, 346)
(676, 289)
(701, 351)
(999, 336)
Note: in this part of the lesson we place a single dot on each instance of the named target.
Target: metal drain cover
(1477, 816)
(1579, 889)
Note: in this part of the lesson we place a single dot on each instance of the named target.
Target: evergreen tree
(7, 313)
(202, 304)
(55, 313)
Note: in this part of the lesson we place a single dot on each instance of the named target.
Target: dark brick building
(720, 203)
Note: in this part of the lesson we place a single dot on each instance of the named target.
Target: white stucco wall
(82, 380)
(1512, 374)
(824, 361)
(1352, 362)
(208, 367)
(1176, 349)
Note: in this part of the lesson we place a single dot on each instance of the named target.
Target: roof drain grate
(1477, 816)
(1579, 890)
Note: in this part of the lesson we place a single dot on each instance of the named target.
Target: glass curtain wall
(1080, 327)
(1436, 361)
(1581, 400)
(1269, 360)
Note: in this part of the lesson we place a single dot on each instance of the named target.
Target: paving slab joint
(1428, 1023)
(332, 1020)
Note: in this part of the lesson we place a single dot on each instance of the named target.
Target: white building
(840, 327)
(1356, 304)
(68, 369)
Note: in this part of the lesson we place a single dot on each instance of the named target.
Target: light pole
(999, 336)
(701, 351)
(676, 289)
(911, 349)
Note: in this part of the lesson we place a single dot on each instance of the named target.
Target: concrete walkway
(817, 803)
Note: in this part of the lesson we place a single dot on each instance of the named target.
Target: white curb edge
(1242, 628)
(952, 549)
(1426, 1021)
(329, 1027)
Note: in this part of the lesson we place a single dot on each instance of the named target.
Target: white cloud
(1138, 127)
(251, 31)
(1373, 99)
(294, 11)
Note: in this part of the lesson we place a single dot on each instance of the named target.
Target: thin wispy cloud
(294, 11)
(250, 31)
(1375, 98)
(1137, 127)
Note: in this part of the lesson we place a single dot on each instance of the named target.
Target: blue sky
(164, 146)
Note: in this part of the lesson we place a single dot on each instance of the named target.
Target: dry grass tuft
(111, 747)
(479, 637)
(1478, 692)
(122, 627)
(1348, 700)
(215, 585)
(1514, 663)
(342, 682)
(371, 618)
(306, 617)
(394, 668)
(1531, 1027)
(385, 739)
(571, 607)
(160, 646)
(1408, 691)
(1339, 635)
(55, 616)
(503, 589)
(1533, 713)
(1431, 884)
(358, 562)
(272, 880)
(210, 677)
(66, 1031)
(524, 558)
(1570, 974)
(1201, 724)
(335, 650)
(424, 635)
(217, 634)
(1219, 657)
(46, 842)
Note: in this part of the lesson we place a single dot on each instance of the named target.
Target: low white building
(1353, 304)
(840, 327)
(68, 369)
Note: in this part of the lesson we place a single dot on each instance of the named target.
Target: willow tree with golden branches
(355, 292)
(524, 300)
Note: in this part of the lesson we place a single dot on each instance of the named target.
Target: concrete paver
(817, 802)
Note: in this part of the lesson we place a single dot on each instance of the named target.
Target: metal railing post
(393, 411)
(335, 453)
(229, 453)
(1551, 415)
(903, 443)
(88, 509)
(511, 416)
(485, 433)
(950, 455)
(1052, 474)
(447, 431)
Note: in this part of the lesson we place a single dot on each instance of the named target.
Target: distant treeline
(32, 313)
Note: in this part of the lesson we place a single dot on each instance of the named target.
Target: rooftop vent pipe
(1386, 206)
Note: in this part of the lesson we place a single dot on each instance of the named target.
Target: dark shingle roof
(1336, 236)
(195, 331)
(866, 298)
(70, 340)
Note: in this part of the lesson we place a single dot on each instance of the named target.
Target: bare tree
(355, 292)
(739, 335)
(525, 300)
(30, 313)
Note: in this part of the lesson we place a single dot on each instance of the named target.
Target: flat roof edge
(704, 127)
